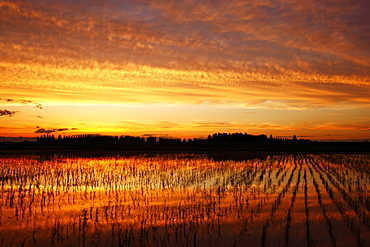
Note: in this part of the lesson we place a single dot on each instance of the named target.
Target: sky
(185, 68)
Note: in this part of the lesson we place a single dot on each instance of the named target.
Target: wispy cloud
(23, 102)
(343, 127)
(243, 126)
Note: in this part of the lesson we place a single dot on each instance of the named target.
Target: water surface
(185, 200)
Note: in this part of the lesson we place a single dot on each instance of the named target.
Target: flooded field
(185, 200)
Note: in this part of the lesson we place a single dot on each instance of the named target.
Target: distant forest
(217, 142)
(216, 137)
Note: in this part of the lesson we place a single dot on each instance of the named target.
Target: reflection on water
(185, 200)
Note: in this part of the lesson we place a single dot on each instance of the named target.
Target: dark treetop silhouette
(217, 141)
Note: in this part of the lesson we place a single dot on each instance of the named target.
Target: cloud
(237, 126)
(48, 131)
(8, 100)
(62, 129)
(44, 131)
(342, 127)
(164, 136)
(161, 125)
(8, 113)
(148, 135)
(23, 102)
(200, 126)
(187, 41)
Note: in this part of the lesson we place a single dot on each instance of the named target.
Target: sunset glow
(185, 68)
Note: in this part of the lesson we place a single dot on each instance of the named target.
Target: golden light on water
(182, 199)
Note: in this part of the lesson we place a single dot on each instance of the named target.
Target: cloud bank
(266, 50)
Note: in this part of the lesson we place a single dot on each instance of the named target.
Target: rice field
(185, 200)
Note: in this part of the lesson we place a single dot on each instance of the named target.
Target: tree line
(216, 137)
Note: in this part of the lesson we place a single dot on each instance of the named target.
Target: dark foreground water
(185, 200)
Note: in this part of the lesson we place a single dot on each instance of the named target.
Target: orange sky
(185, 68)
